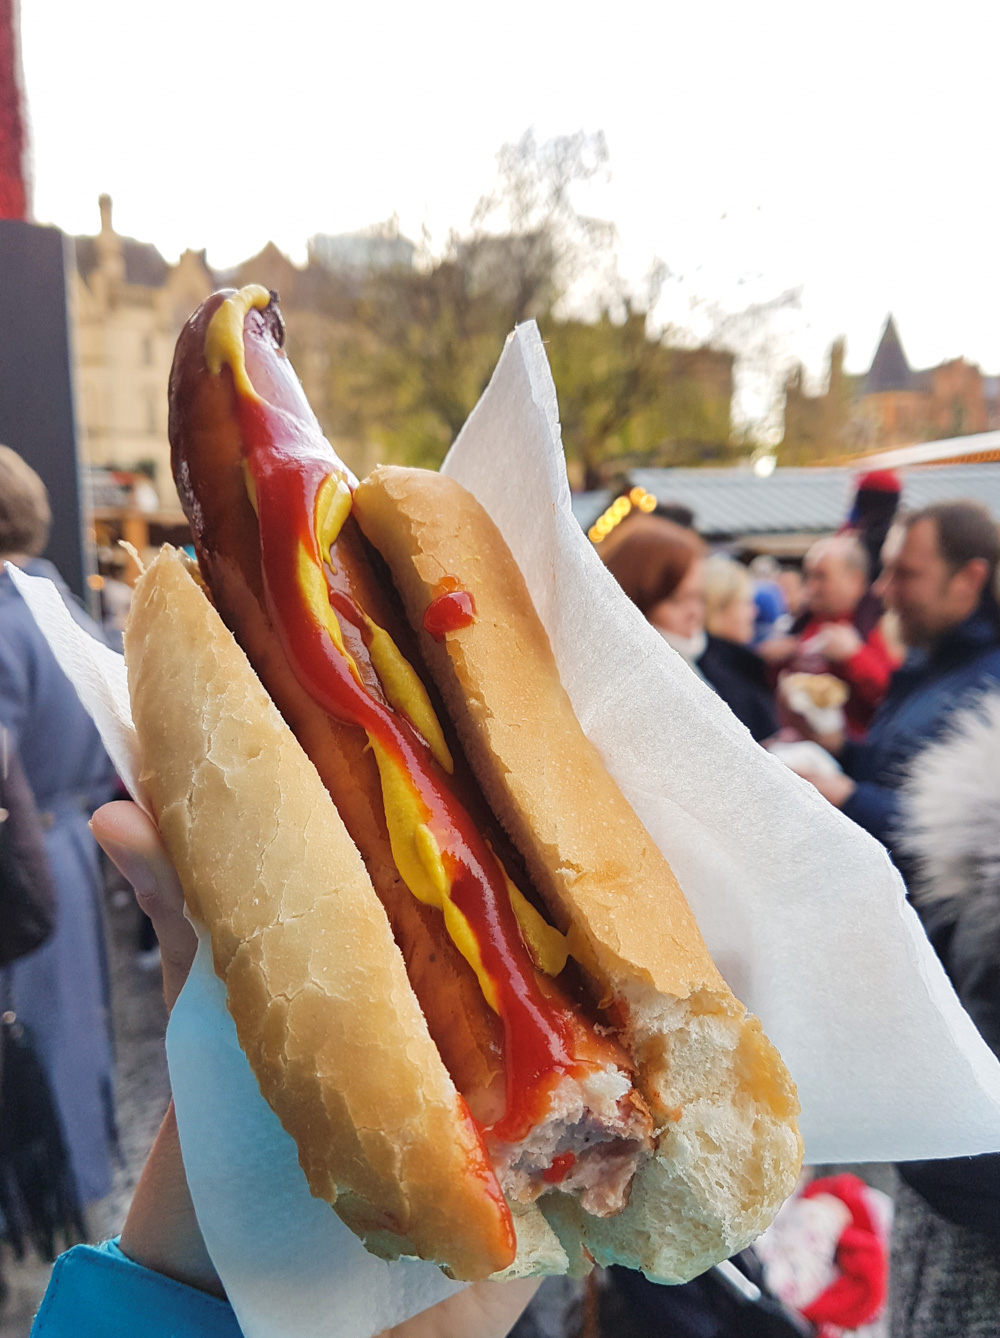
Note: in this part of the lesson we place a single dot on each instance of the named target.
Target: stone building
(898, 405)
(127, 306)
(376, 248)
(891, 404)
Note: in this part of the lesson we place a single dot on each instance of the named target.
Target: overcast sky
(851, 149)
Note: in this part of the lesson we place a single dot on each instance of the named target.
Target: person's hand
(485, 1309)
(838, 642)
(161, 1231)
(837, 789)
(833, 741)
(778, 650)
(130, 840)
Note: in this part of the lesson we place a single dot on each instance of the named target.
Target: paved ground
(143, 1092)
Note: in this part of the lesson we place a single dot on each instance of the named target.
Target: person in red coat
(839, 633)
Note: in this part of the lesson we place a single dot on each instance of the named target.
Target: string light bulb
(636, 497)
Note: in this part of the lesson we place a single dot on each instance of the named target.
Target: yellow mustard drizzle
(415, 851)
(333, 506)
(224, 336)
(405, 692)
(313, 585)
(547, 947)
(417, 856)
(400, 681)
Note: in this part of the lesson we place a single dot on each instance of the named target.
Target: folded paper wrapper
(803, 912)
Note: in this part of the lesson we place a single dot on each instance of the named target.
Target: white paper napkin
(802, 911)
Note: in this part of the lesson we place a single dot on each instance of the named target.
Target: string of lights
(618, 510)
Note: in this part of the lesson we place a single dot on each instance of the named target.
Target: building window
(147, 350)
(151, 400)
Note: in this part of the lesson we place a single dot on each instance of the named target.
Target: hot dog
(590, 1084)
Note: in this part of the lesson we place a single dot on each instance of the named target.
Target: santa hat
(880, 480)
(858, 1293)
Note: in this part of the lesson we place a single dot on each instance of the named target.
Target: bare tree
(529, 243)
(433, 334)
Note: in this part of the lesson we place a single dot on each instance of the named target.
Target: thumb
(130, 840)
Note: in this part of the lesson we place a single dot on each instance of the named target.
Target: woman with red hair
(662, 567)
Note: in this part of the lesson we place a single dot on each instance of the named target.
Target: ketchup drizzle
(450, 609)
(288, 466)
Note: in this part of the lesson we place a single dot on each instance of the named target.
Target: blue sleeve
(874, 807)
(854, 757)
(15, 684)
(96, 1292)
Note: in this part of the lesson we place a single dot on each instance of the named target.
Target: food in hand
(824, 691)
(470, 985)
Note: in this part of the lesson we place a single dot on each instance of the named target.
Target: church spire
(889, 369)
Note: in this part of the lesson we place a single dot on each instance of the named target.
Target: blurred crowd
(746, 630)
(871, 667)
(873, 670)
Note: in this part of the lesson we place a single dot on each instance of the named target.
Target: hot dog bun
(315, 982)
(730, 1150)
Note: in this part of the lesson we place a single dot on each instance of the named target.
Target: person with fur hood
(945, 1274)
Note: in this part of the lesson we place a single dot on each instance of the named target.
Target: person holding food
(157, 1278)
(453, 1060)
(838, 633)
(923, 783)
(940, 579)
(945, 1280)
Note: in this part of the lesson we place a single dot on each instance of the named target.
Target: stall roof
(729, 503)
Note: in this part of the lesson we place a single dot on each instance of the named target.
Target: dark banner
(36, 392)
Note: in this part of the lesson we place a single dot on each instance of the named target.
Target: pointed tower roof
(889, 369)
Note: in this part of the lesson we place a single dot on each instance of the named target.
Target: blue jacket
(924, 694)
(61, 991)
(96, 1292)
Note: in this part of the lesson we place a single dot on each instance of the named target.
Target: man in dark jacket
(941, 583)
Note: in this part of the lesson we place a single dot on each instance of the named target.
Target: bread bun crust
(315, 982)
(729, 1149)
(826, 691)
